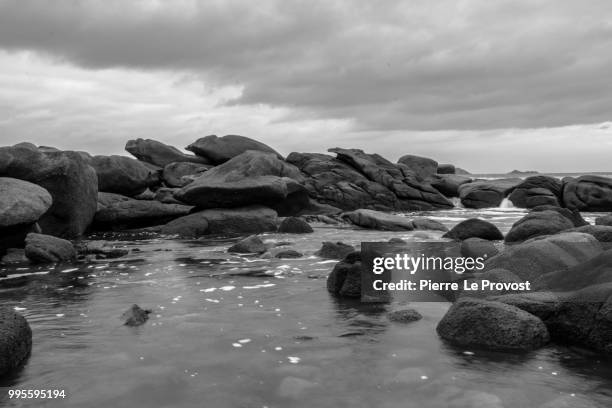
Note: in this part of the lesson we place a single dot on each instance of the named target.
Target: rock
(14, 256)
(158, 153)
(166, 195)
(221, 149)
(116, 212)
(533, 258)
(294, 225)
(604, 220)
(536, 224)
(486, 193)
(593, 271)
(423, 167)
(249, 245)
(48, 249)
(15, 341)
(588, 193)
(123, 175)
(288, 253)
(472, 322)
(478, 248)
(537, 190)
(446, 169)
(388, 222)
(345, 279)
(21, 202)
(602, 233)
(250, 178)
(174, 173)
(404, 316)
(474, 228)
(540, 304)
(334, 250)
(572, 215)
(66, 176)
(135, 316)
(448, 184)
(253, 219)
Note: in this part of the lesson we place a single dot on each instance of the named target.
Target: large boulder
(588, 193)
(345, 279)
(158, 153)
(254, 219)
(15, 341)
(252, 178)
(388, 222)
(123, 175)
(21, 202)
(423, 167)
(533, 258)
(474, 228)
(221, 149)
(42, 248)
(72, 183)
(174, 174)
(486, 193)
(536, 224)
(478, 323)
(117, 212)
(537, 190)
(448, 184)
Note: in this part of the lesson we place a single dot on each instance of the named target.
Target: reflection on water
(243, 331)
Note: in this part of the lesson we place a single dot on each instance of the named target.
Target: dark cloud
(388, 65)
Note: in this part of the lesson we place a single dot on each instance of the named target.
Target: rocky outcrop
(15, 341)
(117, 212)
(423, 167)
(158, 153)
(221, 149)
(249, 245)
(448, 184)
(536, 224)
(175, 174)
(254, 219)
(66, 176)
(388, 222)
(123, 175)
(588, 193)
(345, 279)
(248, 179)
(537, 190)
(42, 248)
(334, 250)
(478, 323)
(294, 225)
(474, 228)
(486, 193)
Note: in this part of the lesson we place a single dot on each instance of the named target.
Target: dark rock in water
(537, 190)
(572, 215)
(423, 167)
(489, 193)
(446, 169)
(593, 271)
(533, 258)
(21, 202)
(602, 233)
(174, 173)
(536, 224)
(491, 325)
(474, 228)
(334, 250)
(604, 220)
(15, 341)
(588, 193)
(288, 253)
(135, 316)
(448, 184)
(249, 245)
(221, 149)
(388, 222)
(294, 225)
(123, 175)
(345, 279)
(478, 248)
(253, 219)
(166, 195)
(48, 249)
(14, 256)
(158, 153)
(116, 212)
(404, 316)
(248, 179)
(66, 176)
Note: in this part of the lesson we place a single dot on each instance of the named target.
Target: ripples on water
(241, 331)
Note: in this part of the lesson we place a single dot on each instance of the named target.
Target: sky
(490, 86)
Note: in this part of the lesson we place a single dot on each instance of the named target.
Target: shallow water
(219, 337)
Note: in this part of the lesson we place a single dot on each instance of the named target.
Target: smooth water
(221, 337)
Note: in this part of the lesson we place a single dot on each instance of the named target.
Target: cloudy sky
(487, 85)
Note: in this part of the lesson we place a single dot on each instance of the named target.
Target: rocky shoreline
(232, 185)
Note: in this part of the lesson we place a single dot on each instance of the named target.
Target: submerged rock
(249, 245)
(158, 153)
(48, 249)
(221, 149)
(388, 222)
(474, 228)
(294, 225)
(472, 322)
(334, 250)
(135, 316)
(15, 341)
